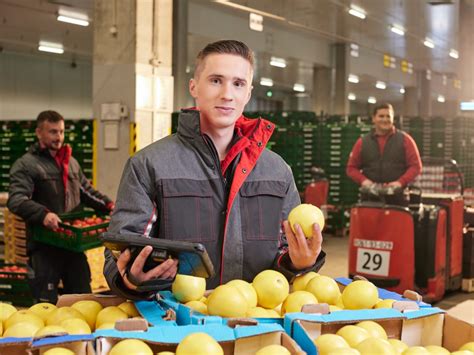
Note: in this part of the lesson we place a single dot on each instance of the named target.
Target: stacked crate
(79, 134)
(96, 260)
(3, 209)
(15, 239)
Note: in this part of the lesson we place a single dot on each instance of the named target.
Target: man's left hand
(395, 184)
(303, 251)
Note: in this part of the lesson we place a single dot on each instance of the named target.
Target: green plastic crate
(72, 237)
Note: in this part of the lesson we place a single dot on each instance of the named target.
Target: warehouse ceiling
(23, 23)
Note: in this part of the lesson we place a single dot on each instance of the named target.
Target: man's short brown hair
(227, 46)
(50, 116)
(385, 105)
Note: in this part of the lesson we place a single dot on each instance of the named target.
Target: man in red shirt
(385, 155)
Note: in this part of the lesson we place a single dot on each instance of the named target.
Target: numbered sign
(373, 262)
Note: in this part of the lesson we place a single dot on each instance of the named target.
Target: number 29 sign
(373, 262)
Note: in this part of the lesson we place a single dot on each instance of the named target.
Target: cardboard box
(304, 328)
(459, 325)
(383, 294)
(423, 326)
(239, 341)
(152, 311)
(188, 316)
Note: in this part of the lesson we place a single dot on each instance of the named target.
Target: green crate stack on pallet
(17, 136)
(414, 126)
(463, 148)
(80, 135)
(336, 140)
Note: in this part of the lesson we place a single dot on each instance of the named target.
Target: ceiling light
(372, 100)
(380, 85)
(454, 54)
(399, 30)
(299, 87)
(429, 43)
(278, 62)
(351, 96)
(402, 90)
(357, 12)
(441, 98)
(51, 47)
(266, 82)
(353, 78)
(72, 17)
(467, 105)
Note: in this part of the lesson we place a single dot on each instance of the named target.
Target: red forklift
(411, 239)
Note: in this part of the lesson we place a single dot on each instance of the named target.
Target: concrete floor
(337, 260)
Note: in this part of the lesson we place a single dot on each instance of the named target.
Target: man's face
(51, 135)
(221, 88)
(383, 120)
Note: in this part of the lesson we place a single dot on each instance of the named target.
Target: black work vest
(390, 165)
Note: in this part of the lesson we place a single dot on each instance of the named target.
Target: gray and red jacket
(40, 184)
(175, 189)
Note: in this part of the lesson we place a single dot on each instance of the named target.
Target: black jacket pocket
(261, 208)
(189, 211)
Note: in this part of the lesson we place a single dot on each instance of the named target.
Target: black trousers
(50, 265)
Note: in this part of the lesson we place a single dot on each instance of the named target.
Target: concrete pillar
(322, 90)
(425, 99)
(131, 68)
(410, 102)
(341, 87)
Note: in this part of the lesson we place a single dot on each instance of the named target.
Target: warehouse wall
(33, 83)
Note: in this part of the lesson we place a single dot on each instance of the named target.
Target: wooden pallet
(468, 285)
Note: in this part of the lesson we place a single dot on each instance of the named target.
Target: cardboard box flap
(384, 294)
(348, 315)
(170, 335)
(463, 311)
(155, 313)
(104, 300)
(242, 332)
(61, 340)
(422, 312)
(12, 340)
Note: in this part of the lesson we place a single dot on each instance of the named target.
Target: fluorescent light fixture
(266, 82)
(351, 96)
(467, 106)
(402, 90)
(399, 30)
(380, 85)
(429, 43)
(50, 47)
(72, 17)
(353, 78)
(278, 62)
(454, 54)
(354, 50)
(372, 100)
(299, 87)
(357, 12)
(441, 98)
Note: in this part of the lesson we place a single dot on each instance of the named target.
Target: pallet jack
(410, 239)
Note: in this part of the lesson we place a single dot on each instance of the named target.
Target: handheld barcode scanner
(193, 258)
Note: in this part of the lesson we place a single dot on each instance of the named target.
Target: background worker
(386, 155)
(45, 182)
(214, 183)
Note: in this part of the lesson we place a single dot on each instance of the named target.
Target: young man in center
(213, 182)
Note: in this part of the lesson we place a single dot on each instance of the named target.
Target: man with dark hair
(385, 155)
(213, 182)
(45, 182)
